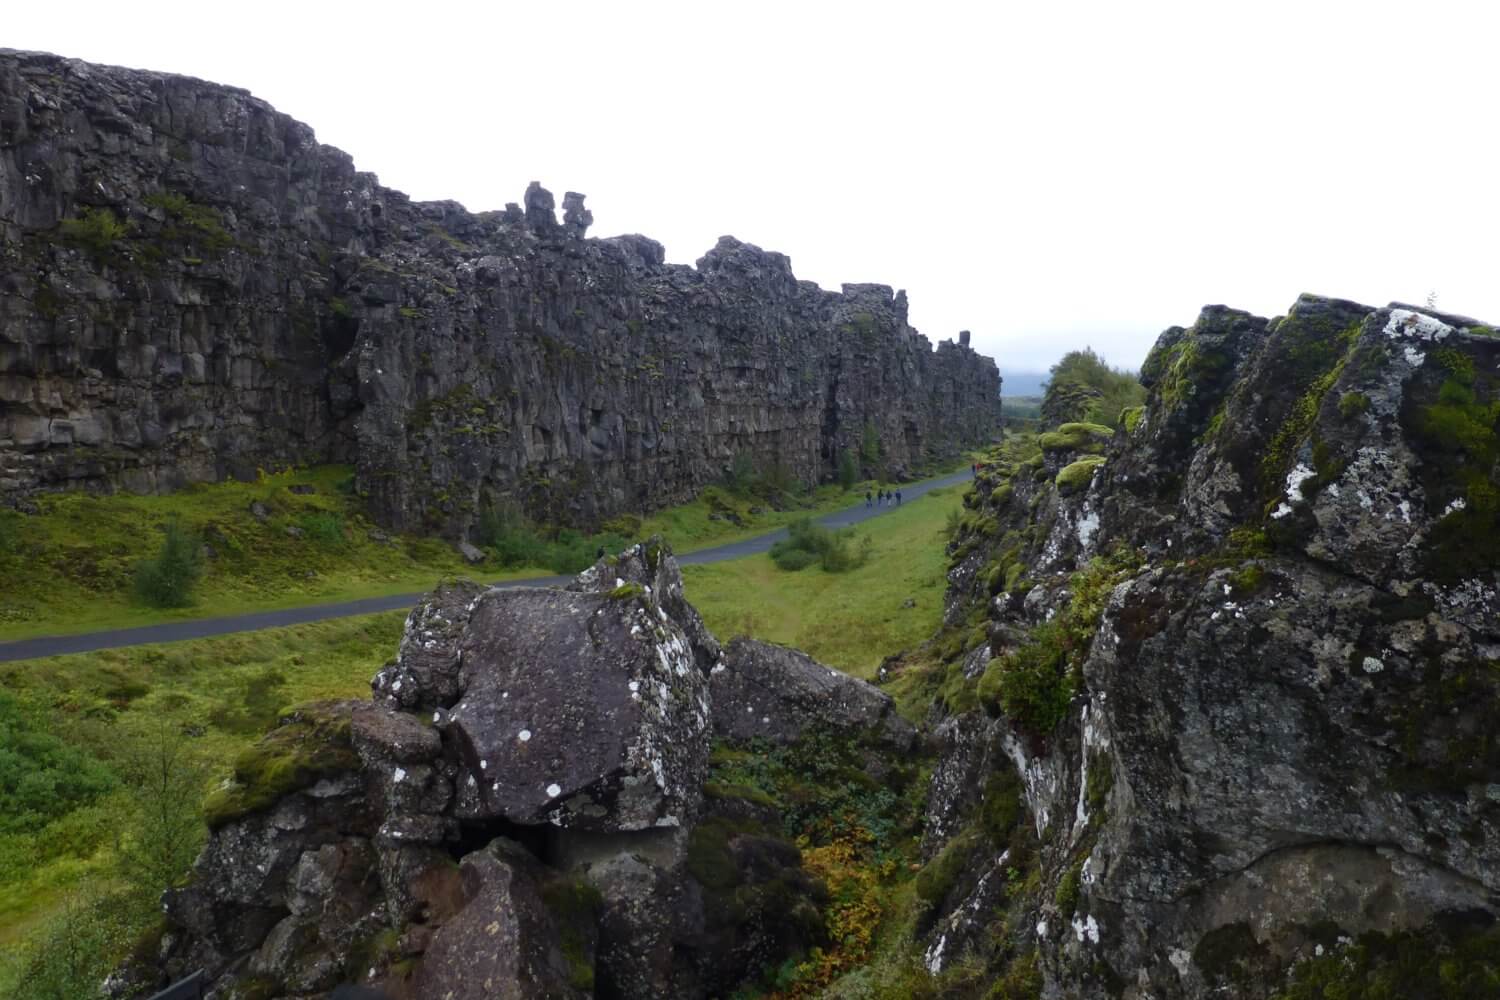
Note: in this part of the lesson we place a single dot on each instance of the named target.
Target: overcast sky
(1048, 175)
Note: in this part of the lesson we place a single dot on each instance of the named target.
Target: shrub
(807, 542)
(324, 527)
(1082, 387)
(41, 777)
(848, 469)
(167, 580)
(95, 230)
(506, 532)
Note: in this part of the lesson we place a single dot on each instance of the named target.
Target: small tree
(167, 580)
(848, 469)
(166, 780)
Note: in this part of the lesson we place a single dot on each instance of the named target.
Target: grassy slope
(70, 568)
(851, 620)
(224, 692)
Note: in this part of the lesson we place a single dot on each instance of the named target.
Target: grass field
(215, 695)
(71, 567)
(848, 620)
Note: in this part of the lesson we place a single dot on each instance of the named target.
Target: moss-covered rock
(1080, 437)
(312, 742)
(1077, 475)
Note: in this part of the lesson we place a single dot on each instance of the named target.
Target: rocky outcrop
(519, 811)
(1241, 666)
(195, 288)
(786, 695)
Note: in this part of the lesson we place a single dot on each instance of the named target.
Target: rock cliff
(1242, 663)
(192, 287)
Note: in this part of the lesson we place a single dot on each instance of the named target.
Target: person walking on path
(898, 498)
(869, 499)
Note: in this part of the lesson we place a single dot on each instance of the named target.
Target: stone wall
(193, 288)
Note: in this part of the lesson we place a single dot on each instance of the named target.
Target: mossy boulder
(311, 743)
(1080, 437)
(1076, 476)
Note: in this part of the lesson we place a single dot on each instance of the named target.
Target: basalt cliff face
(192, 287)
(1242, 663)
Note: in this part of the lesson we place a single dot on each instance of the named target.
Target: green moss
(1068, 890)
(1352, 404)
(1481, 330)
(311, 743)
(1077, 437)
(1002, 806)
(1247, 580)
(709, 859)
(1432, 964)
(1316, 355)
(749, 793)
(575, 906)
(1459, 431)
(1130, 418)
(627, 591)
(1035, 684)
(1078, 475)
(938, 877)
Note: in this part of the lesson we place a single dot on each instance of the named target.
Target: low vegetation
(1084, 388)
(809, 543)
(849, 620)
(106, 759)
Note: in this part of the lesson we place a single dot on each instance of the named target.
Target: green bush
(808, 542)
(325, 528)
(41, 777)
(167, 580)
(506, 532)
(1083, 387)
(95, 230)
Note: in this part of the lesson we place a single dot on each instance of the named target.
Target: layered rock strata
(193, 288)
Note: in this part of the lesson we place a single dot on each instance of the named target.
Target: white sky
(1048, 174)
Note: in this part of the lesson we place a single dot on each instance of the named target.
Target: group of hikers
(882, 498)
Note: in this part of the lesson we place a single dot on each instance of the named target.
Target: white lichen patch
(1041, 928)
(1182, 961)
(1454, 506)
(524, 736)
(554, 790)
(1413, 356)
(398, 775)
(1086, 929)
(1373, 665)
(1294, 481)
(1405, 323)
(1088, 524)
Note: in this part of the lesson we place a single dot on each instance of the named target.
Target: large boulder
(769, 692)
(580, 710)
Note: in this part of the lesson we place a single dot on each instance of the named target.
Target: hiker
(898, 498)
(882, 498)
(869, 499)
(974, 470)
(601, 553)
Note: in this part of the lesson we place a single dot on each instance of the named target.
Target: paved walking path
(202, 628)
